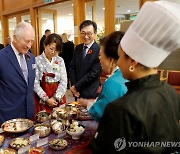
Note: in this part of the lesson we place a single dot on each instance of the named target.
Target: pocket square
(33, 66)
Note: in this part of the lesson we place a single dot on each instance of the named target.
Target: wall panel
(7, 4)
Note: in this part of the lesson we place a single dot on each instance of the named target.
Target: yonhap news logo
(121, 143)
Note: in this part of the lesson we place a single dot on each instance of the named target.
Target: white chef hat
(154, 34)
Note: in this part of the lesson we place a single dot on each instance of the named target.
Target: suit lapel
(13, 59)
(81, 54)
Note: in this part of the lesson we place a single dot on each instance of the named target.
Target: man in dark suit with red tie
(85, 67)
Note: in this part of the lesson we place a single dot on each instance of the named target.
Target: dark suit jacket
(67, 54)
(85, 74)
(16, 97)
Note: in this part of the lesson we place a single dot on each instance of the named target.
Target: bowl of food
(75, 130)
(1, 139)
(43, 129)
(18, 143)
(56, 110)
(43, 116)
(57, 126)
(8, 151)
(58, 144)
(71, 107)
(36, 150)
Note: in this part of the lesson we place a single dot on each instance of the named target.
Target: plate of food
(36, 150)
(74, 103)
(18, 143)
(17, 125)
(8, 151)
(58, 144)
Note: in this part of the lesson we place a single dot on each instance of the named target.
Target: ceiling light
(128, 11)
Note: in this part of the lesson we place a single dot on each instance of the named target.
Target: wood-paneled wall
(110, 13)
(79, 16)
(10, 8)
(7, 5)
(16, 7)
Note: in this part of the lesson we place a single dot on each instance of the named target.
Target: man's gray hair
(21, 28)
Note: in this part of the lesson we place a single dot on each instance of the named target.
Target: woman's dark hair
(88, 23)
(54, 38)
(111, 43)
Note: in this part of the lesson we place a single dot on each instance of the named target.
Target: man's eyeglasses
(89, 34)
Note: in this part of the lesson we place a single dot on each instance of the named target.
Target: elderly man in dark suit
(85, 67)
(17, 75)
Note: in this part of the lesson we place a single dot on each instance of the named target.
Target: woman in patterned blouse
(51, 78)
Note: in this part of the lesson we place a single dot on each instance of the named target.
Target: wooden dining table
(79, 146)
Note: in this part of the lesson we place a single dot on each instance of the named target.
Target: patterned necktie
(24, 67)
(84, 52)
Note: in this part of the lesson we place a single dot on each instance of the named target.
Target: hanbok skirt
(50, 89)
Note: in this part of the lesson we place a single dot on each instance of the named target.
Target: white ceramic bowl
(75, 135)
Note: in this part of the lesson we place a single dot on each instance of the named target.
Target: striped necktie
(24, 67)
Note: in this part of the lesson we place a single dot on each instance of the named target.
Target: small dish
(43, 116)
(18, 143)
(57, 126)
(58, 144)
(8, 151)
(43, 130)
(84, 114)
(36, 150)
